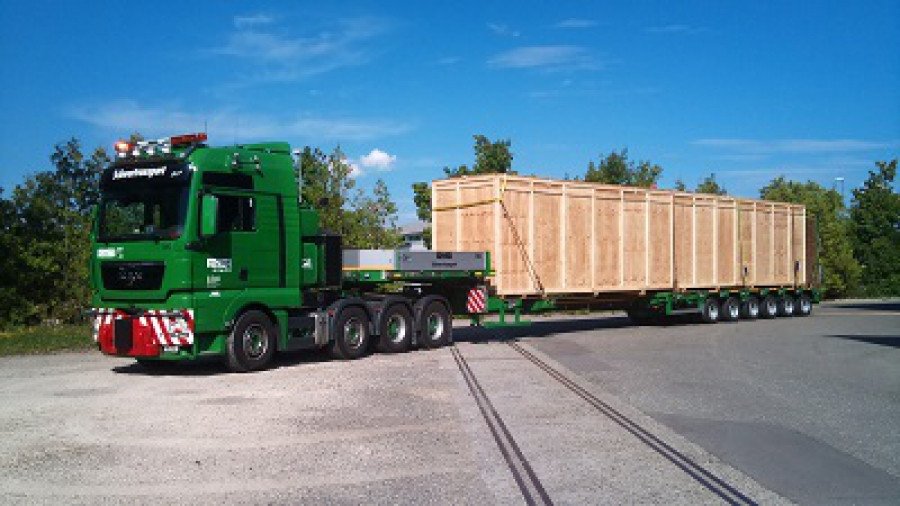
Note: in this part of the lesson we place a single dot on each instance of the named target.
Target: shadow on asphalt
(547, 328)
(891, 341)
(871, 306)
(211, 367)
(475, 335)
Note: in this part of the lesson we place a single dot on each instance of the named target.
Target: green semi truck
(203, 251)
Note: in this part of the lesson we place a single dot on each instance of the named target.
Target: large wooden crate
(551, 237)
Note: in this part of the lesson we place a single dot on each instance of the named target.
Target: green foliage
(680, 186)
(46, 243)
(490, 158)
(363, 221)
(841, 270)
(326, 185)
(374, 220)
(711, 186)
(616, 168)
(45, 339)
(875, 214)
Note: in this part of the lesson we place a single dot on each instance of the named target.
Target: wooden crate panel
(569, 237)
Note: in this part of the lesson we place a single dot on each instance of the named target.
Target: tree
(875, 214)
(375, 220)
(825, 210)
(490, 158)
(711, 186)
(680, 186)
(326, 185)
(616, 168)
(47, 238)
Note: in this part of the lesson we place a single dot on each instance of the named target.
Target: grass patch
(46, 339)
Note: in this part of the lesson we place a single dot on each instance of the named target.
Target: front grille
(132, 275)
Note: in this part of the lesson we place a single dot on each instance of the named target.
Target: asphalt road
(800, 409)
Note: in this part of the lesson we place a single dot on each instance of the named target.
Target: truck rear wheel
(395, 330)
(769, 307)
(803, 307)
(709, 313)
(731, 309)
(750, 308)
(251, 343)
(435, 327)
(786, 305)
(351, 334)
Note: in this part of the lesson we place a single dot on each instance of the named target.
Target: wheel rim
(805, 305)
(434, 325)
(771, 306)
(713, 312)
(753, 308)
(733, 310)
(353, 333)
(788, 306)
(396, 328)
(255, 340)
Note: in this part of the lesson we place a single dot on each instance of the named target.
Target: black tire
(251, 344)
(395, 330)
(351, 334)
(786, 305)
(769, 307)
(709, 313)
(435, 327)
(750, 308)
(803, 306)
(730, 309)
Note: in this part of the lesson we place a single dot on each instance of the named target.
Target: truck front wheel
(351, 334)
(435, 326)
(251, 344)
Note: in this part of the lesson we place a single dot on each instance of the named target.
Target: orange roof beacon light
(122, 148)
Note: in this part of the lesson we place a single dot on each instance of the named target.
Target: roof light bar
(179, 140)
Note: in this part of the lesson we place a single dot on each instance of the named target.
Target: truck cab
(207, 251)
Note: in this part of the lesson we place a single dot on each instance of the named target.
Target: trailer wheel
(750, 308)
(709, 313)
(351, 334)
(395, 330)
(435, 326)
(251, 343)
(786, 305)
(803, 307)
(769, 307)
(730, 309)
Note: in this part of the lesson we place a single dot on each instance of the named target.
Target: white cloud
(575, 23)
(546, 57)
(126, 116)
(503, 30)
(276, 53)
(803, 146)
(674, 29)
(378, 159)
(254, 20)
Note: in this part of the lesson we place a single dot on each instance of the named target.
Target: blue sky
(748, 90)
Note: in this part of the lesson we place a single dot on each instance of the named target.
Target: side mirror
(209, 211)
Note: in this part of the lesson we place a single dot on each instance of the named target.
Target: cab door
(244, 251)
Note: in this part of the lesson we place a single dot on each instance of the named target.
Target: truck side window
(236, 214)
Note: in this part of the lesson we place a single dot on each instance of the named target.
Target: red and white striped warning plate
(476, 301)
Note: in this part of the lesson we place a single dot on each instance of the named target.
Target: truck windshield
(135, 212)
